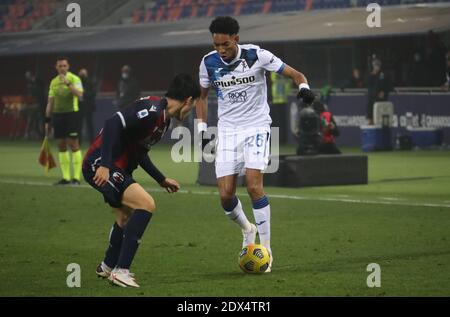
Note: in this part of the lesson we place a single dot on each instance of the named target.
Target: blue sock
(133, 232)
(230, 205)
(115, 243)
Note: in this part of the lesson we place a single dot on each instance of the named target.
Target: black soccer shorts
(115, 187)
(66, 125)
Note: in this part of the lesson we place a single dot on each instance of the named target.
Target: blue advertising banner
(411, 110)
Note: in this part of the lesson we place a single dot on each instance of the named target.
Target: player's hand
(101, 176)
(306, 95)
(170, 185)
(64, 79)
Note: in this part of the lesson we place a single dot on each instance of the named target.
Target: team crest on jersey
(153, 109)
(117, 177)
(244, 65)
(142, 114)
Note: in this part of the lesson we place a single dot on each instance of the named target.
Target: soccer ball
(254, 258)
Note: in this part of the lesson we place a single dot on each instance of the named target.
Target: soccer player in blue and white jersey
(237, 73)
(117, 151)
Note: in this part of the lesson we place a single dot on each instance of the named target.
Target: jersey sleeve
(203, 75)
(76, 81)
(148, 166)
(137, 115)
(270, 62)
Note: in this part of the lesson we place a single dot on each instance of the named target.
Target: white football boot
(123, 277)
(249, 236)
(269, 268)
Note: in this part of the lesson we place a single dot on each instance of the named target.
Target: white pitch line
(280, 196)
(391, 198)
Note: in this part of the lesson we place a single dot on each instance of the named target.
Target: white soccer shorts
(240, 148)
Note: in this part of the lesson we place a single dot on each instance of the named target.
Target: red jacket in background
(327, 133)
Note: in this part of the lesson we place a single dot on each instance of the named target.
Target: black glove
(307, 95)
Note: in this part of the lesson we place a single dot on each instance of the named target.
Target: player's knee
(149, 205)
(255, 190)
(226, 197)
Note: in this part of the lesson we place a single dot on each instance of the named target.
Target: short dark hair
(62, 58)
(182, 87)
(224, 25)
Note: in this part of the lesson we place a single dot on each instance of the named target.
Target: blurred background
(328, 40)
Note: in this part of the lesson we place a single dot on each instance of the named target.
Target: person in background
(128, 89)
(378, 88)
(87, 103)
(356, 80)
(280, 90)
(435, 58)
(446, 85)
(418, 75)
(62, 113)
(36, 90)
(329, 129)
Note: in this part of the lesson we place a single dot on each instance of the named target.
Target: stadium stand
(25, 15)
(173, 10)
(20, 15)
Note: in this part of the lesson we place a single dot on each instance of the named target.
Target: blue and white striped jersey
(240, 85)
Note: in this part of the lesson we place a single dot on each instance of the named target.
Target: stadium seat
(137, 16)
(148, 16)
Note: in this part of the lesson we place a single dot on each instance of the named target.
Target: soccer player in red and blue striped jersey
(121, 147)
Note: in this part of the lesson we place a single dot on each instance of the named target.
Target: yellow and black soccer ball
(254, 258)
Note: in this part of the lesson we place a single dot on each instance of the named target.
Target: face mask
(125, 75)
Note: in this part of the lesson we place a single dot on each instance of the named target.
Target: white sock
(262, 219)
(237, 215)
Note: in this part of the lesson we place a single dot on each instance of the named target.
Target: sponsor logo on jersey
(142, 114)
(237, 96)
(233, 82)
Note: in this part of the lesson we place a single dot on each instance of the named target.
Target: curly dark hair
(224, 25)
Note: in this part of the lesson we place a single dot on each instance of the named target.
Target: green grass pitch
(323, 238)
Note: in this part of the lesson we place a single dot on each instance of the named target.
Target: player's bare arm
(295, 75)
(301, 82)
(48, 113)
(201, 108)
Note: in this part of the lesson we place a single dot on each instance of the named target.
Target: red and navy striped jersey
(128, 135)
